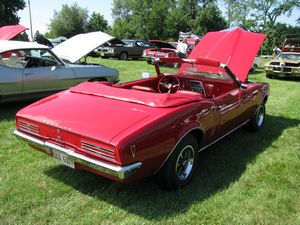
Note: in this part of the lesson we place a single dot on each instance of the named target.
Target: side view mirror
(57, 66)
(145, 75)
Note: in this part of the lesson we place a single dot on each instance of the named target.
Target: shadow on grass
(293, 79)
(219, 166)
(8, 110)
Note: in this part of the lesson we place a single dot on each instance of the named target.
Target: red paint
(118, 117)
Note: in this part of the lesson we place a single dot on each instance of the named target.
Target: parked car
(255, 64)
(30, 70)
(123, 49)
(291, 43)
(161, 49)
(286, 64)
(157, 125)
(13, 32)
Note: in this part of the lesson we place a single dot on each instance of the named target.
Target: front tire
(258, 119)
(123, 56)
(180, 167)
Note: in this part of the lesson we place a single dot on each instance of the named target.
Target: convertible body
(154, 126)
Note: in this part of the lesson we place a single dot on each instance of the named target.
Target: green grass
(246, 178)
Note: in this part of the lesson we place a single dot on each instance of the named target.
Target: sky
(42, 11)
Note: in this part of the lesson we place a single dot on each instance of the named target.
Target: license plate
(63, 159)
(281, 75)
(102, 54)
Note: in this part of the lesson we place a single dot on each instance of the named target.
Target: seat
(209, 90)
(142, 88)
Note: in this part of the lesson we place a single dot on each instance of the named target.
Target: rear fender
(197, 132)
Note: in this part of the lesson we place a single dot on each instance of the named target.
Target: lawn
(246, 178)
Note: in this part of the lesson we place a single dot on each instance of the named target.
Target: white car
(30, 70)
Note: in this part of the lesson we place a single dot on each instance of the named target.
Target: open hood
(235, 48)
(80, 45)
(9, 32)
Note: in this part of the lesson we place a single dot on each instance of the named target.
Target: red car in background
(163, 49)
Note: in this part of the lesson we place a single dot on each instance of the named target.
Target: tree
(140, 18)
(8, 12)
(209, 19)
(266, 12)
(71, 20)
(97, 23)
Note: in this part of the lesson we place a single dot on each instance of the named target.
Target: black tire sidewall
(169, 177)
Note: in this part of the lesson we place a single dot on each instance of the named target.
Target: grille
(292, 64)
(98, 150)
(276, 68)
(274, 63)
(287, 69)
(27, 127)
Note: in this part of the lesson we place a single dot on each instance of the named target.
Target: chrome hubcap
(185, 162)
(260, 116)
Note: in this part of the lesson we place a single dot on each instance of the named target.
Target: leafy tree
(71, 20)
(97, 23)
(140, 18)
(209, 19)
(8, 11)
(266, 12)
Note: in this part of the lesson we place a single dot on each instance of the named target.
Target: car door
(11, 70)
(44, 72)
(231, 109)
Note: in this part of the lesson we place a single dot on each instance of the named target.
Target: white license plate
(63, 159)
(102, 54)
(281, 75)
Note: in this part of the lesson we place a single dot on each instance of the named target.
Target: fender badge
(133, 150)
(58, 135)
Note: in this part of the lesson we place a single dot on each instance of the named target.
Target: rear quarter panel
(154, 142)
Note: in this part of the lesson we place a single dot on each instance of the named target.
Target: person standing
(182, 48)
(276, 50)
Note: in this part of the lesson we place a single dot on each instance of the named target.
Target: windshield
(205, 71)
(292, 57)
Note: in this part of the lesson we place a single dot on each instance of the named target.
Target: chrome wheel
(185, 163)
(260, 116)
(257, 121)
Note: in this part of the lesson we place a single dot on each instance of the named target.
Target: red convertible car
(157, 125)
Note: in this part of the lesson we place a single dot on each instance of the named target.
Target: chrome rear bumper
(120, 172)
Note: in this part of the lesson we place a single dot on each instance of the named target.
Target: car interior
(182, 83)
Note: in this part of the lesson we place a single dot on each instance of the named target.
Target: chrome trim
(28, 127)
(120, 172)
(95, 149)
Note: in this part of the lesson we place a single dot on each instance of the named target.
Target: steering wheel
(168, 84)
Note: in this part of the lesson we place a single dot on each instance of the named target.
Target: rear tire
(258, 119)
(123, 56)
(180, 167)
(269, 76)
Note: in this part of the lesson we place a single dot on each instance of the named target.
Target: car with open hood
(31, 70)
(156, 125)
(160, 49)
(13, 32)
(286, 64)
